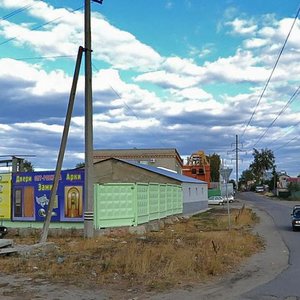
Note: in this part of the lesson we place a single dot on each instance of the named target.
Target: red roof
(293, 179)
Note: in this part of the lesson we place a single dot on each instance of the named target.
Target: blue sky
(183, 74)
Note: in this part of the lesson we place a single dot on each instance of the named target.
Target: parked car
(259, 189)
(3, 231)
(216, 200)
(296, 217)
(230, 198)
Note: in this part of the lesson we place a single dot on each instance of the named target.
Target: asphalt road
(287, 284)
(270, 275)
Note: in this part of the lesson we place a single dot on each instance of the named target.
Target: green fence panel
(130, 204)
(153, 201)
(115, 205)
(178, 200)
(214, 192)
(162, 201)
(175, 200)
(170, 203)
(142, 202)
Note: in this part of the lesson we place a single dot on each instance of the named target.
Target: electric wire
(272, 72)
(287, 143)
(125, 104)
(40, 26)
(291, 100)
(17, 11)
(118, 95)
(285, 134)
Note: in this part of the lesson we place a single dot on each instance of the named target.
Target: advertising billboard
(32, 192)
(5, 196)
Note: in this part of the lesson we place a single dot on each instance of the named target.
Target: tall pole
(237, 162)
(89, 172)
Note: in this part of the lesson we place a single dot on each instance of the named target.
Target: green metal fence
(214, 192)
(131, 204)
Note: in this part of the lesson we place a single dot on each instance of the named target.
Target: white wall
(195, 196)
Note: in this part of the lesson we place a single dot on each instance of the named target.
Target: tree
(247, 176)
(27, 166)
(264, 160)
(80, 165)
(215, 162)
(233, 183)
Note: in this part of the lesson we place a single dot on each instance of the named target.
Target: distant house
(283, 183)
(114, 170)
(166, 157)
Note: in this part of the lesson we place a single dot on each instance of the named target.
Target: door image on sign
(24, 202)
(73, 201)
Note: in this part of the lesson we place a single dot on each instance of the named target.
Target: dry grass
(191, 250)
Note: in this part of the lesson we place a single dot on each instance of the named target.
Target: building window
(194, 171)
(201, 171)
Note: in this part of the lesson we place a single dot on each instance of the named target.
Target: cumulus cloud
(65, 33)
(164, 101)
(255, 43)
(242, 27)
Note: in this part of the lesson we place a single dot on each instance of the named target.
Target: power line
(125, 104)
(17, 11)
(272, 72)
(292, 127)
(291, 140)
(119, 96)
(293, 97)
(40, 26)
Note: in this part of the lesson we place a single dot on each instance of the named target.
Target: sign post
(225, 172)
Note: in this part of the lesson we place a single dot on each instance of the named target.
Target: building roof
(293, 179)
(159, 171)
(142, 152)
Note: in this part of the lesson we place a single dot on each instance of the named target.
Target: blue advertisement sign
(32, 191)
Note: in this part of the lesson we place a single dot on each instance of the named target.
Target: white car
(230, 198)
(259, 189)
(216, 200)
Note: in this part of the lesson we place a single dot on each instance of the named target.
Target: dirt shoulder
(260, 268)
(257, 270)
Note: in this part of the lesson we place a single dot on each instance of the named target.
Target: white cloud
(35, 80)
(167, 80)
(242, 27)
(134, 114)
(255, 43)
(40, 126)
(63, 36)
(193, 93)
